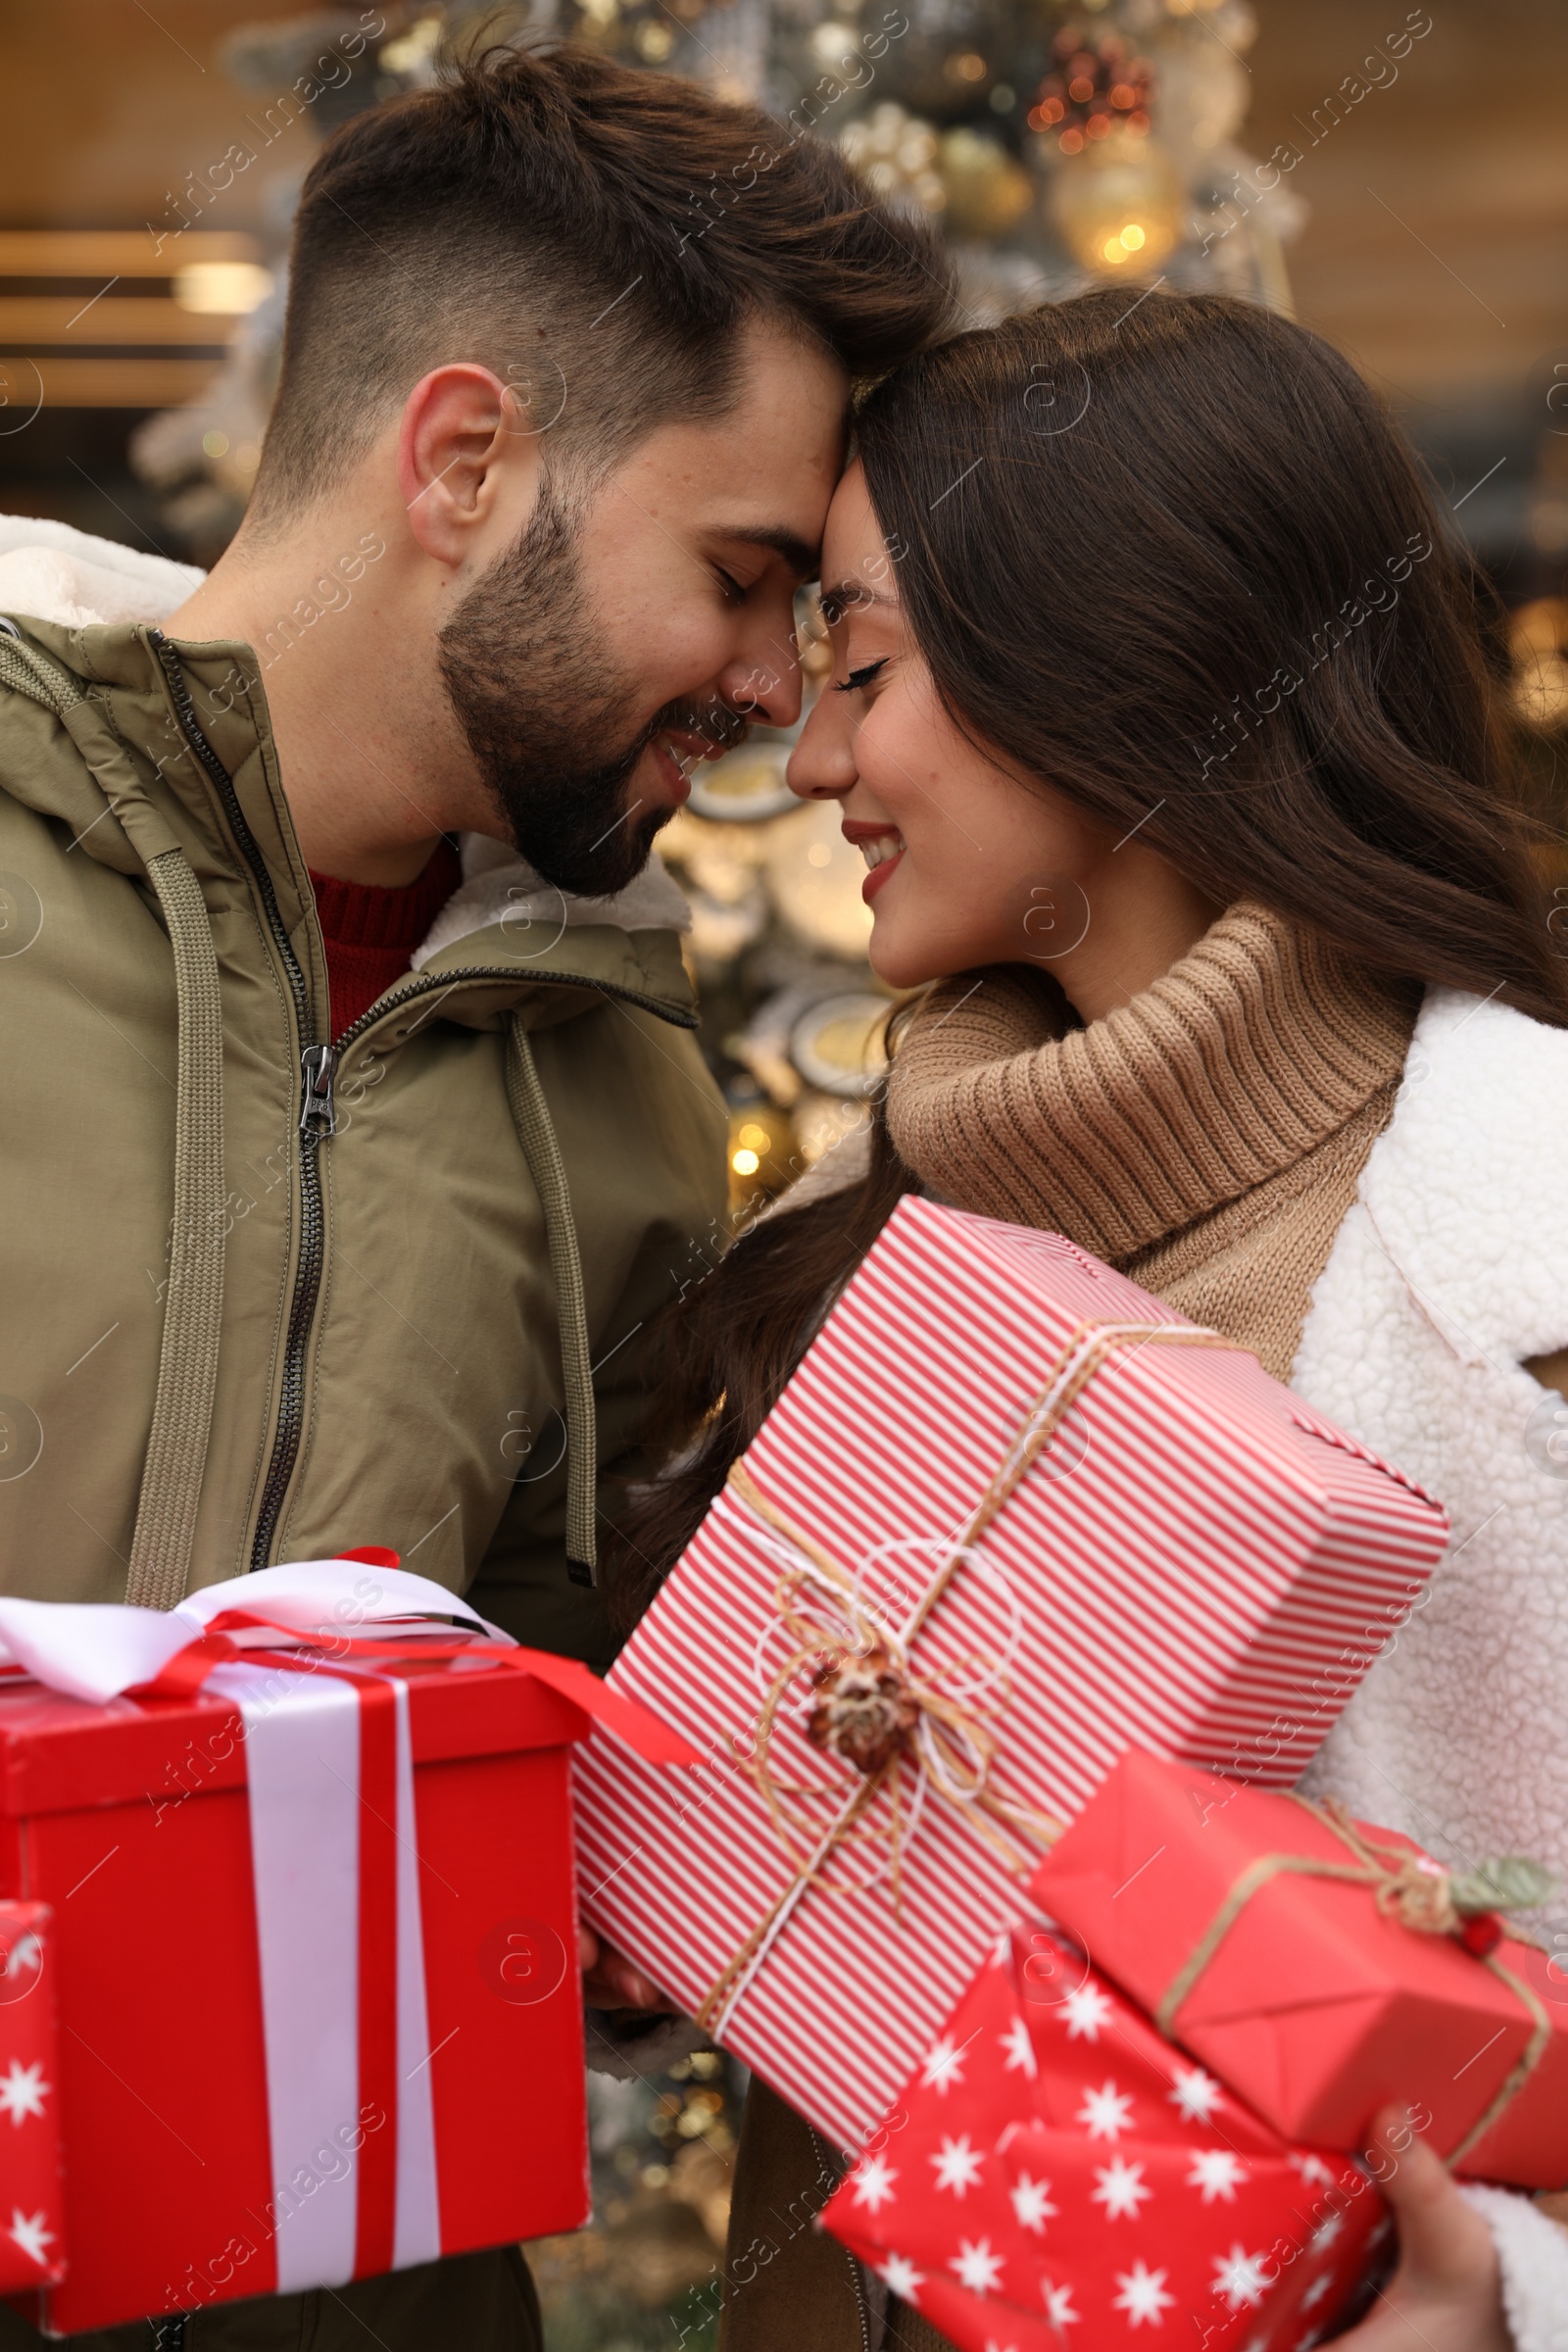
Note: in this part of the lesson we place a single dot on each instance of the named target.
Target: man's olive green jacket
(262, 1301)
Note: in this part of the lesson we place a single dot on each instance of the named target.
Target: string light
(1124, 244)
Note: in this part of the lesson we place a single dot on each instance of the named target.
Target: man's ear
(468, 464)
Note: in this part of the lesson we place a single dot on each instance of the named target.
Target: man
(306, 1250)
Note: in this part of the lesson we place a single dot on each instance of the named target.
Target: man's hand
(610, 1982)
(1445, 2295)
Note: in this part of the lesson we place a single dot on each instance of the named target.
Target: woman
(1161, 712)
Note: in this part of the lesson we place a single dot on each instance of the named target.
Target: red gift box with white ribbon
(1058, 2172)
(309, 1851)
(1010, 1517)
(32, 2229)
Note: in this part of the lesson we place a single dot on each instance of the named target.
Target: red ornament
(1091, 78)
(1482, 1932)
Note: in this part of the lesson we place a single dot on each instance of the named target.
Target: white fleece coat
(1451, 1267)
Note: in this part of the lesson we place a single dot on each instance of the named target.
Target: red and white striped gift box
(1195, 1564)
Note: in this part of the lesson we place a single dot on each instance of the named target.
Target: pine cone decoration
(862, 1712)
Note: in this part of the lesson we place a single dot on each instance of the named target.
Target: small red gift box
(32, 2220)
(1009, 1517)
(1270, 1940)
(314, 1938)
(1056, 2171)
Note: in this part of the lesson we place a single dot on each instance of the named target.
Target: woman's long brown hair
(1172, 557)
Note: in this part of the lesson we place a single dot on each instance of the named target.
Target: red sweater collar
(369, 933)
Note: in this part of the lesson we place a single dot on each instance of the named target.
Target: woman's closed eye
(860, 677)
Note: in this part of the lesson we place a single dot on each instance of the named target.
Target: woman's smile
(881, 846)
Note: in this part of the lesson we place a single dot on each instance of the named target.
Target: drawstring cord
(188, 1363)
(193, 1298)
(536, 1133)
(187, 1358)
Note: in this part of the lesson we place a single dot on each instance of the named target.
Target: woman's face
(969, 862)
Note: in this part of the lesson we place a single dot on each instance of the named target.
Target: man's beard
(549, 720)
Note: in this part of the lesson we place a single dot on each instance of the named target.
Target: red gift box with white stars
(32, 2223)
(1057, 2174)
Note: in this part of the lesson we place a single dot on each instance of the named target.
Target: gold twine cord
(1387, 1872)
(958, 1747)
(964, 1748)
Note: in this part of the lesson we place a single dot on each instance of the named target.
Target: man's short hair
(595, 235)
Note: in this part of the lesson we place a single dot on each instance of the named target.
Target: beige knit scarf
(1206, 1138)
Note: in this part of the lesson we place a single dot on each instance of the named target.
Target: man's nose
(765, 686)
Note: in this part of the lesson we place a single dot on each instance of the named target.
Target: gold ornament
(744, 786)
(835, 44)
(897, 155)
(1202, 94)
(840, 1046)
(815, 879)
(1538, 638)
(720, 859)
(987, 193)
(412, 53)
(1119, 205)
(723, 928)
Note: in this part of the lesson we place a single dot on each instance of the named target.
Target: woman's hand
(1445, 2296)
(609, 1981)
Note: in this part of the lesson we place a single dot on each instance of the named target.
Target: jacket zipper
(316, 1064)
(318, 1110)
(318, 1119)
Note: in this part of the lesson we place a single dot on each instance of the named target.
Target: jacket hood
(68, 580)
(500, 888)
(67, 576)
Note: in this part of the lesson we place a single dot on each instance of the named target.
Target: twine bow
(876, 1707)
(1422, 1895)
(1435, 1902)
(878, 1711)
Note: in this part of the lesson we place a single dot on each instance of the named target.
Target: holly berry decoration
(1479, 1897)
(1482, 1932)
